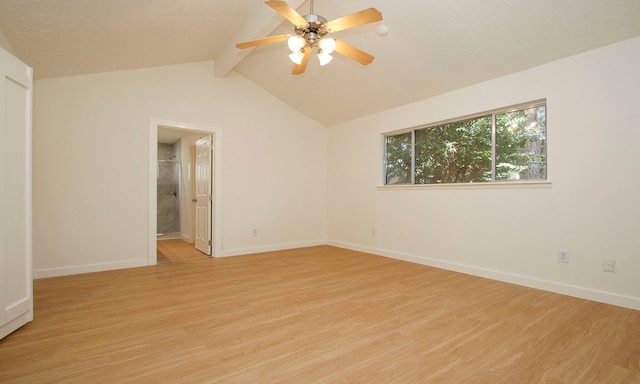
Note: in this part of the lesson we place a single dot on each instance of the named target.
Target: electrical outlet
(563, 256)
(373, 232)
(255, 232)
(608, 265)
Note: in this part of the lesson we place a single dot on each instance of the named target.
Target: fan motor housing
(315, 29)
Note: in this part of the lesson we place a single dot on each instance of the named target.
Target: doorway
(172, 192)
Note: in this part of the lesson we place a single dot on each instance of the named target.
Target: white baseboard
(270, 248)
(527, 281)
(74, 270)
(64, 271)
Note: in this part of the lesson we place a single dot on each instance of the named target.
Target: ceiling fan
(311, 31)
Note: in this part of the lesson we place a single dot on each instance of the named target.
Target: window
(503, 145)
(398, 161)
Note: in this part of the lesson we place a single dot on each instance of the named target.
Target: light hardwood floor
(314, 315)
(172, 250)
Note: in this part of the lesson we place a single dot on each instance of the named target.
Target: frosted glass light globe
(327, 45)
(295, 43)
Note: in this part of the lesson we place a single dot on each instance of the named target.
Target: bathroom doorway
(177, 193)
(173, 191)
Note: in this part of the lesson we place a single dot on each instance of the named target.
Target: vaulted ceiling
(433, 46)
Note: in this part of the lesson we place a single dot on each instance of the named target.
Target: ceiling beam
(261, 24)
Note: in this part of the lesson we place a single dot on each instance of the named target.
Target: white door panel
(204, 198)
(16, 297)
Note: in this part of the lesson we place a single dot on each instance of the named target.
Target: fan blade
(266, 40)
(300, 68)
(350, 51)
(370, 15)
(289, 13)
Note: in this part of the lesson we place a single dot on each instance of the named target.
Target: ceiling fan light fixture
(297, 56)
(327, 45)
(324, 57)
(295, 43)
(310, 32)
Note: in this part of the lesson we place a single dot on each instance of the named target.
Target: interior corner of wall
(4, 43)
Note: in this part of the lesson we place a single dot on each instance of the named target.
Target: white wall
(91, 153)
(91, 171)
(591, 209)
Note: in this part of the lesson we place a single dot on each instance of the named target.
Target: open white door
(204, 200)
(16, 294)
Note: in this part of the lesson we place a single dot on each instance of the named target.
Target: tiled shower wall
(168, 188)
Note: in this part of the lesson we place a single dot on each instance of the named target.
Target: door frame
(216, 226)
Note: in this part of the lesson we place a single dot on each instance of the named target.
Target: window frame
(493, 183)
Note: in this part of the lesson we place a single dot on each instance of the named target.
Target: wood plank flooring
(172, 250)
(314, 315)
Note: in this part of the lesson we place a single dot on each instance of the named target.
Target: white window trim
(522, 184)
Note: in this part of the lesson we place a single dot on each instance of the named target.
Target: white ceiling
(434, 46)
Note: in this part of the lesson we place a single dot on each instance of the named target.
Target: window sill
(487, 185)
